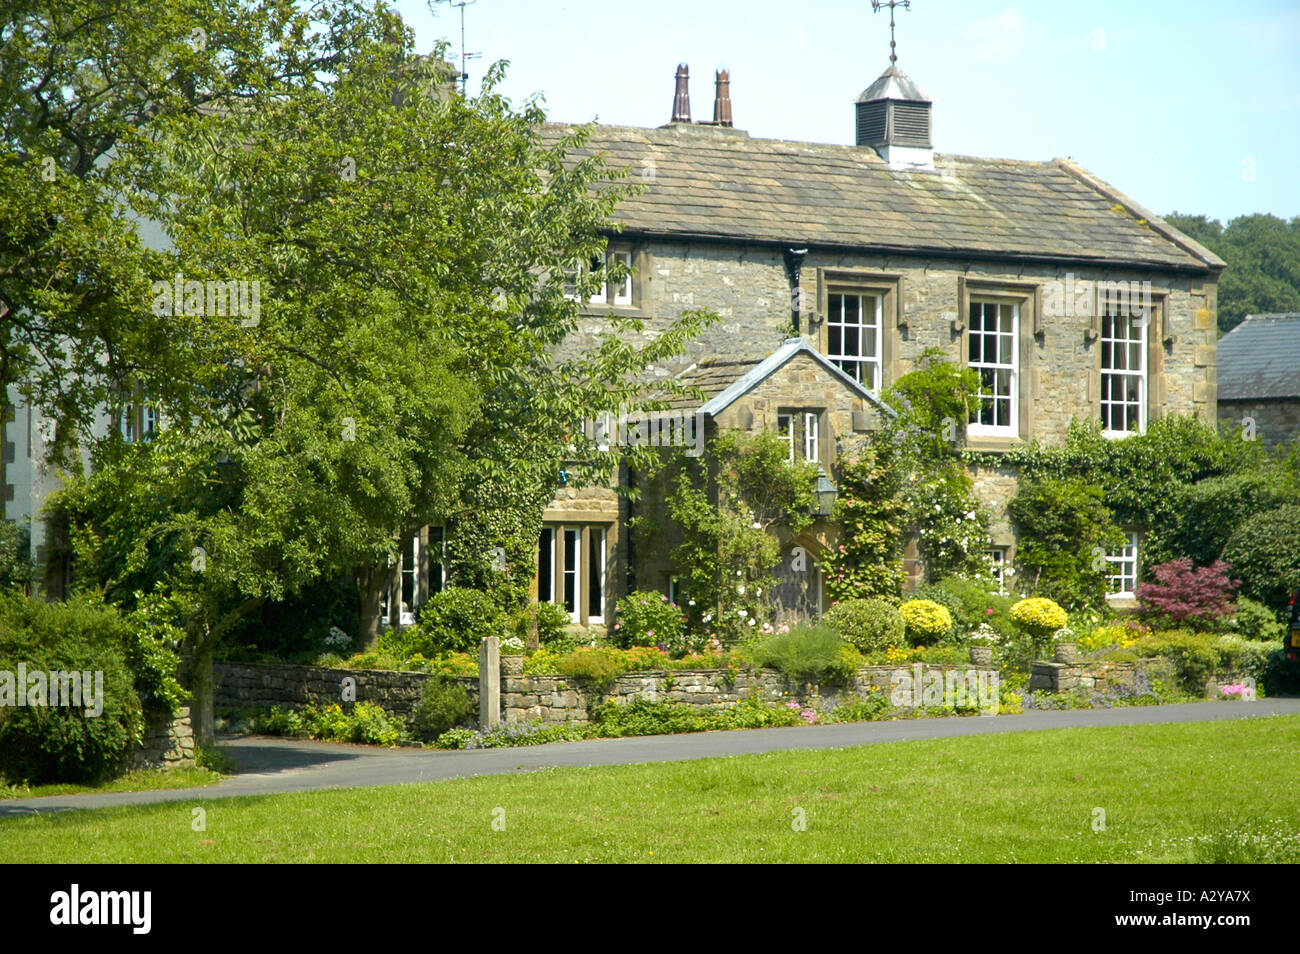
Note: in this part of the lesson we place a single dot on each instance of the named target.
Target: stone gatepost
(489, 683)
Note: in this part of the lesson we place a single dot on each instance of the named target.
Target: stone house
(1259, 378)
(1068, 297)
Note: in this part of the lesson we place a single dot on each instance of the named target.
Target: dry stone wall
(241, 687)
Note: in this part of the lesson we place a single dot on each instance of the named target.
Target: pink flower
(793, 705)
(988, 612)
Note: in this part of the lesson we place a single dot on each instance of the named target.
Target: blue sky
(1187, 106)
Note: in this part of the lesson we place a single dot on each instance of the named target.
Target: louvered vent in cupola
(893, 117)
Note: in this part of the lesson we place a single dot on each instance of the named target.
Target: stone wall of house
(242, 687)
(168, 742)
(749, 288)
(1275, 421)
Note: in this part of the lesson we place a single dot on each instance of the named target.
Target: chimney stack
(682, 101)
(722, 98)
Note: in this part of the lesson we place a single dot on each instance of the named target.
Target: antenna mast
(464, 56)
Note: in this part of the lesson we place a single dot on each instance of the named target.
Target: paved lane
(272, 766)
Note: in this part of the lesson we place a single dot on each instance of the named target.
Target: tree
(1064, 529)
(402, 252)
(84, 87)
(1263, 256)
(1188, 594)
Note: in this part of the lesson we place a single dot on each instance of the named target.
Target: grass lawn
(1170, 793)
(143, 780)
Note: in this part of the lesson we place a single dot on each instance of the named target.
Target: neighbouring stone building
(1259, 378)
(1068, 297)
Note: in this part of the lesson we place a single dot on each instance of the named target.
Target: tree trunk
(371, 581)
(202, 687)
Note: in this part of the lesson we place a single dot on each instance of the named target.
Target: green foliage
(1265, 552)
(870, 625)
(444, 704)
(728, 528)
(648, 618)
(1065, 529)
(1263, 256)
(870, 511)
(806, 654)
(16, 566)
(1199, 657)
(1253, 620)
(642, 717)
(456, 619)
(968, 601)
(365, 724)
(1213, 509)
(1281, 676)
(552, 618)
(600, 665)
(934, 402)
(66, 743)
(926, 621)
(869, 708)
(1141, 478)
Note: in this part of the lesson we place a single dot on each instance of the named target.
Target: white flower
(690, 602)
(740, 590)
(757, 525)
(751, 622)
(741, 613)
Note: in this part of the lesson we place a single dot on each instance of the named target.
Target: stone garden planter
(512, 665)
(981, 655)
(1067, 653)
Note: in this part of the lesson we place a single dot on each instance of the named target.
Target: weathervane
(876, 5)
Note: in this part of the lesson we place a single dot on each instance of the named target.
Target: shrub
(1211, 510)
(926, 621)
(444, 704)
(1062, 525)
(1265, 552)
(867, 708)
(1116, 635)
(454, 620)
(871, 625)
(1253, 620)
(599, 664)
(806, 654)
(1280, 676)
(366, 724)
(647, 618)
(969, 601)
(40, 744)
(1038, 618)
(552, 618)
(1196, 657)
(1186, 595)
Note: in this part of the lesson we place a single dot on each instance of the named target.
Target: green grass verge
(143, 780)
(1170, 793)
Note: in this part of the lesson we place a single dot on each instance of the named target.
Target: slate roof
(725, 379)
(717, 183)
(1260, 358)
